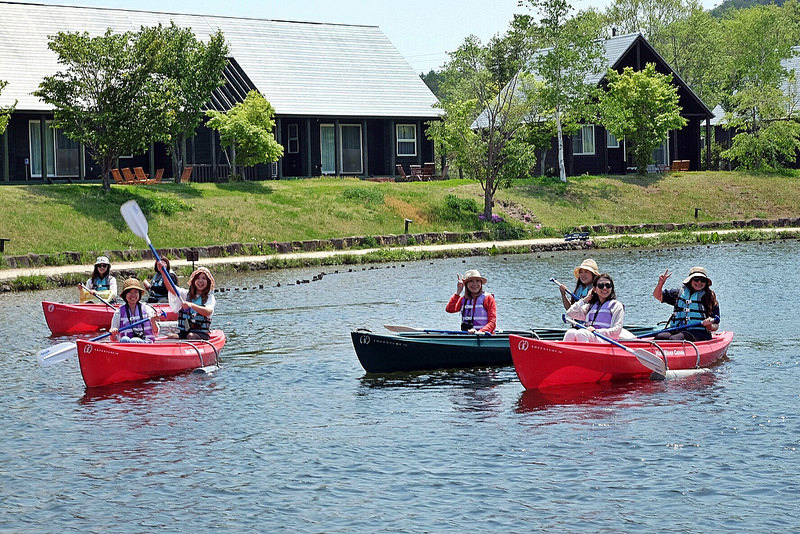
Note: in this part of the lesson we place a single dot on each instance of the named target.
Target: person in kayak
(157, 289)
(133, 310)
(693, 302)
(584, 275)
(478, 308)
(195, 306)
(102, 283)
(601, 312)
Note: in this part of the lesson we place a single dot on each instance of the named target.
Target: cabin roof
(301, 68)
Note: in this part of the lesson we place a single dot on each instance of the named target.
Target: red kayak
(541, 364)
(111, 363)
(70, 319)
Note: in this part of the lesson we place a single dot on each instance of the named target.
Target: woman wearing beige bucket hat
(195, 306)
(693, 302)
(478, 309)
(131, 311)
(585, 273)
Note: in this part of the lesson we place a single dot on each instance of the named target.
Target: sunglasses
(604, 285)
(700, 279)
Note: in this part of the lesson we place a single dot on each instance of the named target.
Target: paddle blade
(400, 328)
(57, 353)
(135, 219)
(651, 361)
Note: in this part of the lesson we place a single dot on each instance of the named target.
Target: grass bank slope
(46, 219)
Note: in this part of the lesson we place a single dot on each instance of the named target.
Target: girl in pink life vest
(133, 310)
(478, 309)
(601, 312)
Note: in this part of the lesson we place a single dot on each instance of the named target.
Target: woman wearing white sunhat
(478, 308)
(101, 284)
(585, 274)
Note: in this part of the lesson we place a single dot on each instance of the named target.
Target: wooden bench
(3, 243)
(576, 236)
(679, 165)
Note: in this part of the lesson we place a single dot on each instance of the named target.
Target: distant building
(346, 101)
(594, 150)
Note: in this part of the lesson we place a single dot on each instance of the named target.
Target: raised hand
(460, 285)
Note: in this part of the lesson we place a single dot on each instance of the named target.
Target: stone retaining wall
(341, 243)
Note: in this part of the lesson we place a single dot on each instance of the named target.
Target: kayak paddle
(570, 293)
(676, 328)
(68, 349)
(646, 358)
(137, 222)
(98, 297)
(401, 328)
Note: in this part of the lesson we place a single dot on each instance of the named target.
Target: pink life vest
(144, 330)
(600, 317)
(473, 310)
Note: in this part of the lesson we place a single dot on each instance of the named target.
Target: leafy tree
(247, 127)
(647, 16)
(5, 113)
(574, 52)
(691, 46)
(434, 81)
(641, 107)
(107, 95)
(194, 69)
(481, 82)
(759, 101)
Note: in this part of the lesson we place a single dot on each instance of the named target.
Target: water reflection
(610, 394)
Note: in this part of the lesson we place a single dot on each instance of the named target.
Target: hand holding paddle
(559, 284)
(64, 351)
(677, 328)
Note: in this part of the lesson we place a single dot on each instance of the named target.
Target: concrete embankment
(255, 262)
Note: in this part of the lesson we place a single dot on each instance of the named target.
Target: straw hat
(132, 283)
(587, 265)
(695, 271)
(102, 260)
(205, 272)
(473, 273)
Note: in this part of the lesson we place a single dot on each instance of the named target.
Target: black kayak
(422, 351)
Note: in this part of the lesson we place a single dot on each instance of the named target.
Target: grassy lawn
(55, 218)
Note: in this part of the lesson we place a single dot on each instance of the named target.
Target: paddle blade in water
(135, 219)
(651, 361)
(57, 353)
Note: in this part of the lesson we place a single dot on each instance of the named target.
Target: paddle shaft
(570, 293)
(677, 328)
(457, 332)
(98, 297)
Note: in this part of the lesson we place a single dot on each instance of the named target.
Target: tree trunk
(561, 169)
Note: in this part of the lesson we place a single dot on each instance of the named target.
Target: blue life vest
(158, 288)
(143, 331)
(191, 321)
(473, 310)
(102, 284)
(581, 291)
(602, 315)
(688, 307)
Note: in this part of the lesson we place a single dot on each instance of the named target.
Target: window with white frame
(406, 140)
(583, 141)
(661, 153)
(293, 141)
(611, 140)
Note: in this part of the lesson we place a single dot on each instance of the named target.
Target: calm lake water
(292, 435)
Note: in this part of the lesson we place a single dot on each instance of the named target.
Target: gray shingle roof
(302, 68)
